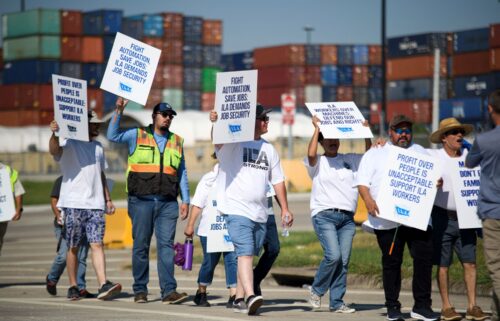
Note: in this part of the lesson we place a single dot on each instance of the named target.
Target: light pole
(308, 29)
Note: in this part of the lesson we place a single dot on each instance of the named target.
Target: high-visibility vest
(150, 172)
(13, 176)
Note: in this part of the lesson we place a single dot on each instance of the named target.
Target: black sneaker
(109, 290)
(240, 306)
(86, 294)
(174, 298)
(73, 293)
(141, 297)
(425, 314)
(51, 286)
(200, 299)
(253, 303)
(230, 302)
(394, 314)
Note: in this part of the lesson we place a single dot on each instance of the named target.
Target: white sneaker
(314, 300)
(344, 309)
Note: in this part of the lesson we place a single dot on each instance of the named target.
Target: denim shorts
(247, 236)
(81, 223)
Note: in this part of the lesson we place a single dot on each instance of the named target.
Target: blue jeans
(150, 214)
(210, 261)
(59, 264)
(247, 236)
(335, 231)
(271, 251)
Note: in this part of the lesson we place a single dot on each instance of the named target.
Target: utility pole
(383, 103)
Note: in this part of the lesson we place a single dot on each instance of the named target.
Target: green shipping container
(32, 22)
(32, 47)
(132, 105)
(173, 96)
(208, 79)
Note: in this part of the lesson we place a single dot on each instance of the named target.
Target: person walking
(156, 171)
(485, 152)
(84, 199)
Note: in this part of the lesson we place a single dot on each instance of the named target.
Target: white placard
(408, 189)
(340, 119)
(218, 239)
(71, 107)
(235, 101)
(7, 206)
(131, 69)
(466, 184)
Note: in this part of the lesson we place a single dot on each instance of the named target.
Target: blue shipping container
(193, 29)
(471, 40)
(30, 71)
(102, 22)
(360, 54)
(420, 44)
(480, 85)
(329, 93)
(345, 55)
(192, 55)
(71, 69)
(212, 56)
(313, 54)
(192, 79)
(361, 96)
(375, 94)
(192, 100)
(132, 28)
(466, 110)
(109, 101)
(415, 89)
(108, 42)
(375, 76)
(93, 74)
(152, 24)
(344, 75)
(329, 75)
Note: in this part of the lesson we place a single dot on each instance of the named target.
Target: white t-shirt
(205, 198)
(81, 165)
(445, 198)
(333, 182)
(371, 173)
(245, 169)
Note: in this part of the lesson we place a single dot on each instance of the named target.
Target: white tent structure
(191, 125)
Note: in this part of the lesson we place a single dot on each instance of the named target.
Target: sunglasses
(165, 114)
(455, 132)
(265, 118)
(401, 131)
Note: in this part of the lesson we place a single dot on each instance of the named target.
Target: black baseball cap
(164, 107)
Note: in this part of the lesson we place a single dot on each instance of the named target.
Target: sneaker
(174, 297)
(141, 297)
(51, 286)
(109, 290)
(230, 302)
(449, 314)
(314, 300)
(253, 303)
(240, 306)
(476, 314)
(73, 293)
(200, 299)
(86, 294)
(424, 314)
(343, 309)
(394, 314)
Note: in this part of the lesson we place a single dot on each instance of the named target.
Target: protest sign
(466, 186)
(131, 68)
(218, 239)
(235, 101)
(71, 107)
(341, 120)
(7, 207)
(408, 188)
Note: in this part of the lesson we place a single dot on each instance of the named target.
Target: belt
(452, 215)
(342, 211)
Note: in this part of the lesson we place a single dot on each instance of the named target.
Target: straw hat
(448, 124)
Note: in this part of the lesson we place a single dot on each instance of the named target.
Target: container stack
(212, 53)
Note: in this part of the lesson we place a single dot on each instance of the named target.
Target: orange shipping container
(155, 97)
(172, 52)
(173, 76)
(414, 67)
(344, 93)
(207, 101)
(271, 97)
(495, 59)
(281, 76)
(328, 54)
(495, 35)
(288, 55)
(158, 78)
(420, 111)
(375, 113)
(71, 48)
(470, 63)
(173, 26)
(71, 23)
(360, 76)
(374, 55)
(92, 49)
(25, 117)
(212, 32)
(153, 42)
(95, 100)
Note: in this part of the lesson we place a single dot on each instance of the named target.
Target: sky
(261, 23)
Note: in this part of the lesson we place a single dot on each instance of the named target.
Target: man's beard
(164, 128)
(403, 143)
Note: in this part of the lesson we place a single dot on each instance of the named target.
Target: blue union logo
(72, 128)
(126, 88)
(234, 128)
(227, 238)
(345, 129)
(402, 211)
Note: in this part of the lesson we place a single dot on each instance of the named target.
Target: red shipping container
(344, 93)
(414, 67)
(375, 55)
(9, 97)
(271, 97)
(375, 113)
(155, 97)
(173, 27)
(207, 101)
(313, 75)
(25, 117)
(92, 49)
(158, 78)
(495, 35)
(172, 76)
(71, 48)
(212, 32)
(288, 55)
(153, 42)
(71, 23)
(495, 59)
(36, 97)
(360, 76)
(172, 52)
(281, 76)
(46, 116)
(95, 100)
(470, 63)
(328, 54)
(420, 111)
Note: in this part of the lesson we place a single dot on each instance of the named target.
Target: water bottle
(284, 231)
(188, 254)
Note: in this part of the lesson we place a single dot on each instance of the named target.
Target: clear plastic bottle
(285, 232)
